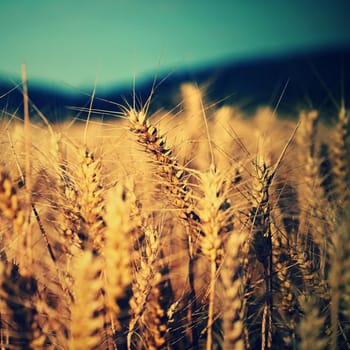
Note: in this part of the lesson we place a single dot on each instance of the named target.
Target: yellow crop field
(198, 229)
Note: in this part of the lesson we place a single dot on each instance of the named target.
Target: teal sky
(73, 42)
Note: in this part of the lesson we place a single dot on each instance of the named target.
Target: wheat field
(196, 229)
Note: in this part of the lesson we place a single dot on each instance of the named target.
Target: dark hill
(312, 80)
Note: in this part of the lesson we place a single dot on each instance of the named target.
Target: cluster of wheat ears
(200, 229)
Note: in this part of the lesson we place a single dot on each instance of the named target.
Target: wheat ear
(86, 311)
(159, 295)
(233, 307)
(313, 227)
(311, 326)
(339, 282)
(170, 171)
(9, 203)
(20, 295)
(175, 184)
(215, 222)
(90, 200)
(339, 159)
(11, 209)
(123, 223)
(262, 239)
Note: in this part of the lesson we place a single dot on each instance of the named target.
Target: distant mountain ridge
(311, 80)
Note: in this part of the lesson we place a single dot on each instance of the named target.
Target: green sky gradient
(73, 42)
